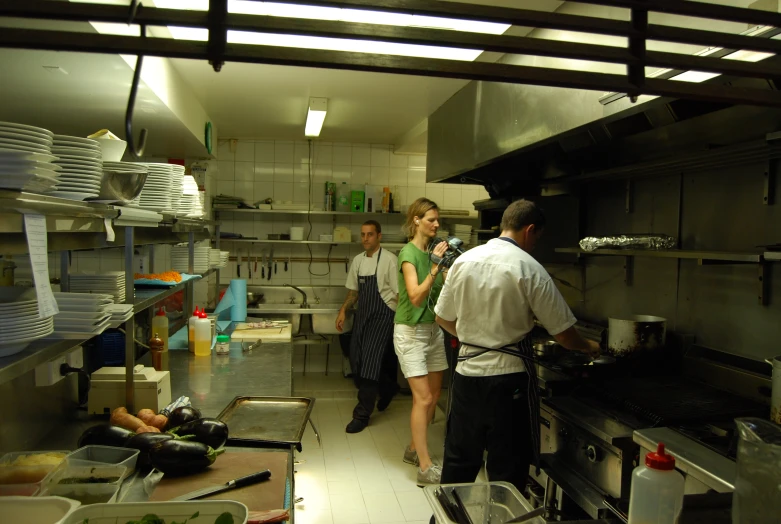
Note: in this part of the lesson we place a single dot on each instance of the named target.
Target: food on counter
(165, 276)
(268, 517)
(88, 480)
(209, 431)
(224, 518)
(147, 429)
(182, 457)
(120, 417)
(182, 415)
(77, 492)
(105, 435)
(151, 418)
(144, 442)
(29, 469)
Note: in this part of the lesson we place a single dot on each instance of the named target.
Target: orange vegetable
(120, 417)
(166, 276)
(147, 429)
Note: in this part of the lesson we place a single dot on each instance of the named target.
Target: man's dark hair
(520, 214)
(377, 226)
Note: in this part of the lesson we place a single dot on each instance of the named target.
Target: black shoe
(356, 426)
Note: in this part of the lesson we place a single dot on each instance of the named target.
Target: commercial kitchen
(183, 190)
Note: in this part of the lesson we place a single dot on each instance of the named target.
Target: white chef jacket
(387, 274)
(493, 292)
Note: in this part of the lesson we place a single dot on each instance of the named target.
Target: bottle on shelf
(385, 199)
(191, 330)
(160, 326)
(203, 335)
(156, 348)
(343, 197)
(656, 496)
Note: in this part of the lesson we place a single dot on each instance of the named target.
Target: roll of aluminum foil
(629, 242)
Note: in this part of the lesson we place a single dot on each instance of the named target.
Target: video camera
(454, 250)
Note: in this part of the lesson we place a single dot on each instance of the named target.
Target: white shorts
(420, 348)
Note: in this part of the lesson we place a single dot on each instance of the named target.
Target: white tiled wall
(281, 170)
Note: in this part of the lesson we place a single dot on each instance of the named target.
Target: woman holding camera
(417, 338)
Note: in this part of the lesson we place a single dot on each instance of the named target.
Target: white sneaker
(432, 475)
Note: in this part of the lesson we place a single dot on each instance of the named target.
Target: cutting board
(241, 332)
(266, 495)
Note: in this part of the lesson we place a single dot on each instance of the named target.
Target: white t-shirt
(387, 275)
(493, 292)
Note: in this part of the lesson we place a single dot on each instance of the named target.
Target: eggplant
(182, 415)
(144, 442)
(182, 457)
(105, 435)
(209, 431)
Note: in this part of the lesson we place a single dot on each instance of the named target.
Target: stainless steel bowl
(546, 349)
(121, 187)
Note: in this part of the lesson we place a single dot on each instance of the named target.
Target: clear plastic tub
(22, 473)
(208, 511)
(486, 503)
(85, 493)
(91, 455)
(77, 473)
(41, 510)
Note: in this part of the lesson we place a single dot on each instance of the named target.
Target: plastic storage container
(23, 473)
(343, 196)
(208, 511)
(40, 510)
(102, 455)
(84, 493)
(758, 480)
(657, 490)
(223, 346)
(487, 503)
(79, 472)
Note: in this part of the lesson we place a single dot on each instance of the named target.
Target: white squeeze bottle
(203, 335)
(656, 496)
(191, 330)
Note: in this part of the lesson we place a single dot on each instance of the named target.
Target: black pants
(385, 388)
(488, 413)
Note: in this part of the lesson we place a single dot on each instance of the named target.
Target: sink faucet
(304, 305)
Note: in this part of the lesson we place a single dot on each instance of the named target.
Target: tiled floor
(359, 479)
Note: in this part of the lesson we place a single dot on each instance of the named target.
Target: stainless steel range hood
(512, 138)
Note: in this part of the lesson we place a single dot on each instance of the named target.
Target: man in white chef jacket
(372, 283)
(489, 301)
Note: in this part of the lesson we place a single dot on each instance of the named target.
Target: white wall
(256, 170)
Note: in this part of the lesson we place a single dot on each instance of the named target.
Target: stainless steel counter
(293, 309)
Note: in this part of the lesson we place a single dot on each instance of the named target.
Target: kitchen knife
(232, 484)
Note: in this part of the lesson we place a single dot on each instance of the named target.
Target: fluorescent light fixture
(336, 14)
(315, 116)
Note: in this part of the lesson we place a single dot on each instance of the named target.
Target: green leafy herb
(225, 518)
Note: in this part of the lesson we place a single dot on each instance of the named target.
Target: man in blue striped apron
(372, 283)
(489, 301)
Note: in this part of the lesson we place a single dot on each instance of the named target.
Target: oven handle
(613, 506)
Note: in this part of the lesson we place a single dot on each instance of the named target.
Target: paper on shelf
(35, 230)
(109, 230)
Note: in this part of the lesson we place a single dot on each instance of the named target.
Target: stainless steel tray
(270, 421)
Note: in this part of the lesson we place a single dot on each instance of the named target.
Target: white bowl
(112, 149)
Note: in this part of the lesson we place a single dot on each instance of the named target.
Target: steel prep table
(265, 371)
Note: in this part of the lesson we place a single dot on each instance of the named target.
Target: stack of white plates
(26, 159)
(109, 283)
(191, 203)
(158, 188)
(120, 313)
(178, 186)
(82, 315)
(442, 233)
(81, 162)
(19, 322)
(464, 232)
(218, 258)
(180, 262)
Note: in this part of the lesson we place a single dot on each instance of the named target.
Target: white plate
(67, 157)
(25, 138)
(73, 195)
(26, 127)
(84, 323)
(31, 334)
(77, 140)
(93, 191)
(75, 151)
(26, 171)
(85, 175)
(10, 155)
(24, 148)
(61, 334)
(80, 297)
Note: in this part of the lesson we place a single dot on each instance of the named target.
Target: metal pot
(546, 349)
(636, 333)
(775, 397)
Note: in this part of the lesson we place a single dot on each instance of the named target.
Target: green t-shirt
(406, 313)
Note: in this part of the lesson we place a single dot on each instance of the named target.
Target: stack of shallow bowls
(81, 163)
(158, 189)
(26, 159)
(20, 323)
(178, 186)
(108, 283)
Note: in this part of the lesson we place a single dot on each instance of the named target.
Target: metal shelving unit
(295, 242)
(471, 216)
(760, 259)
(74, 225)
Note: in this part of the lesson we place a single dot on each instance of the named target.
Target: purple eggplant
(105, 435)
(209, 431)
(144, 442)
(181, 416)
(182, 457)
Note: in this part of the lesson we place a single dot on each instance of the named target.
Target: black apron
(372, 328)
(525, 352)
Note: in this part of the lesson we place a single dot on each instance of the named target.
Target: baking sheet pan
(272, 421)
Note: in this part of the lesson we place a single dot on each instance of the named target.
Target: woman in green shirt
(418, 340)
